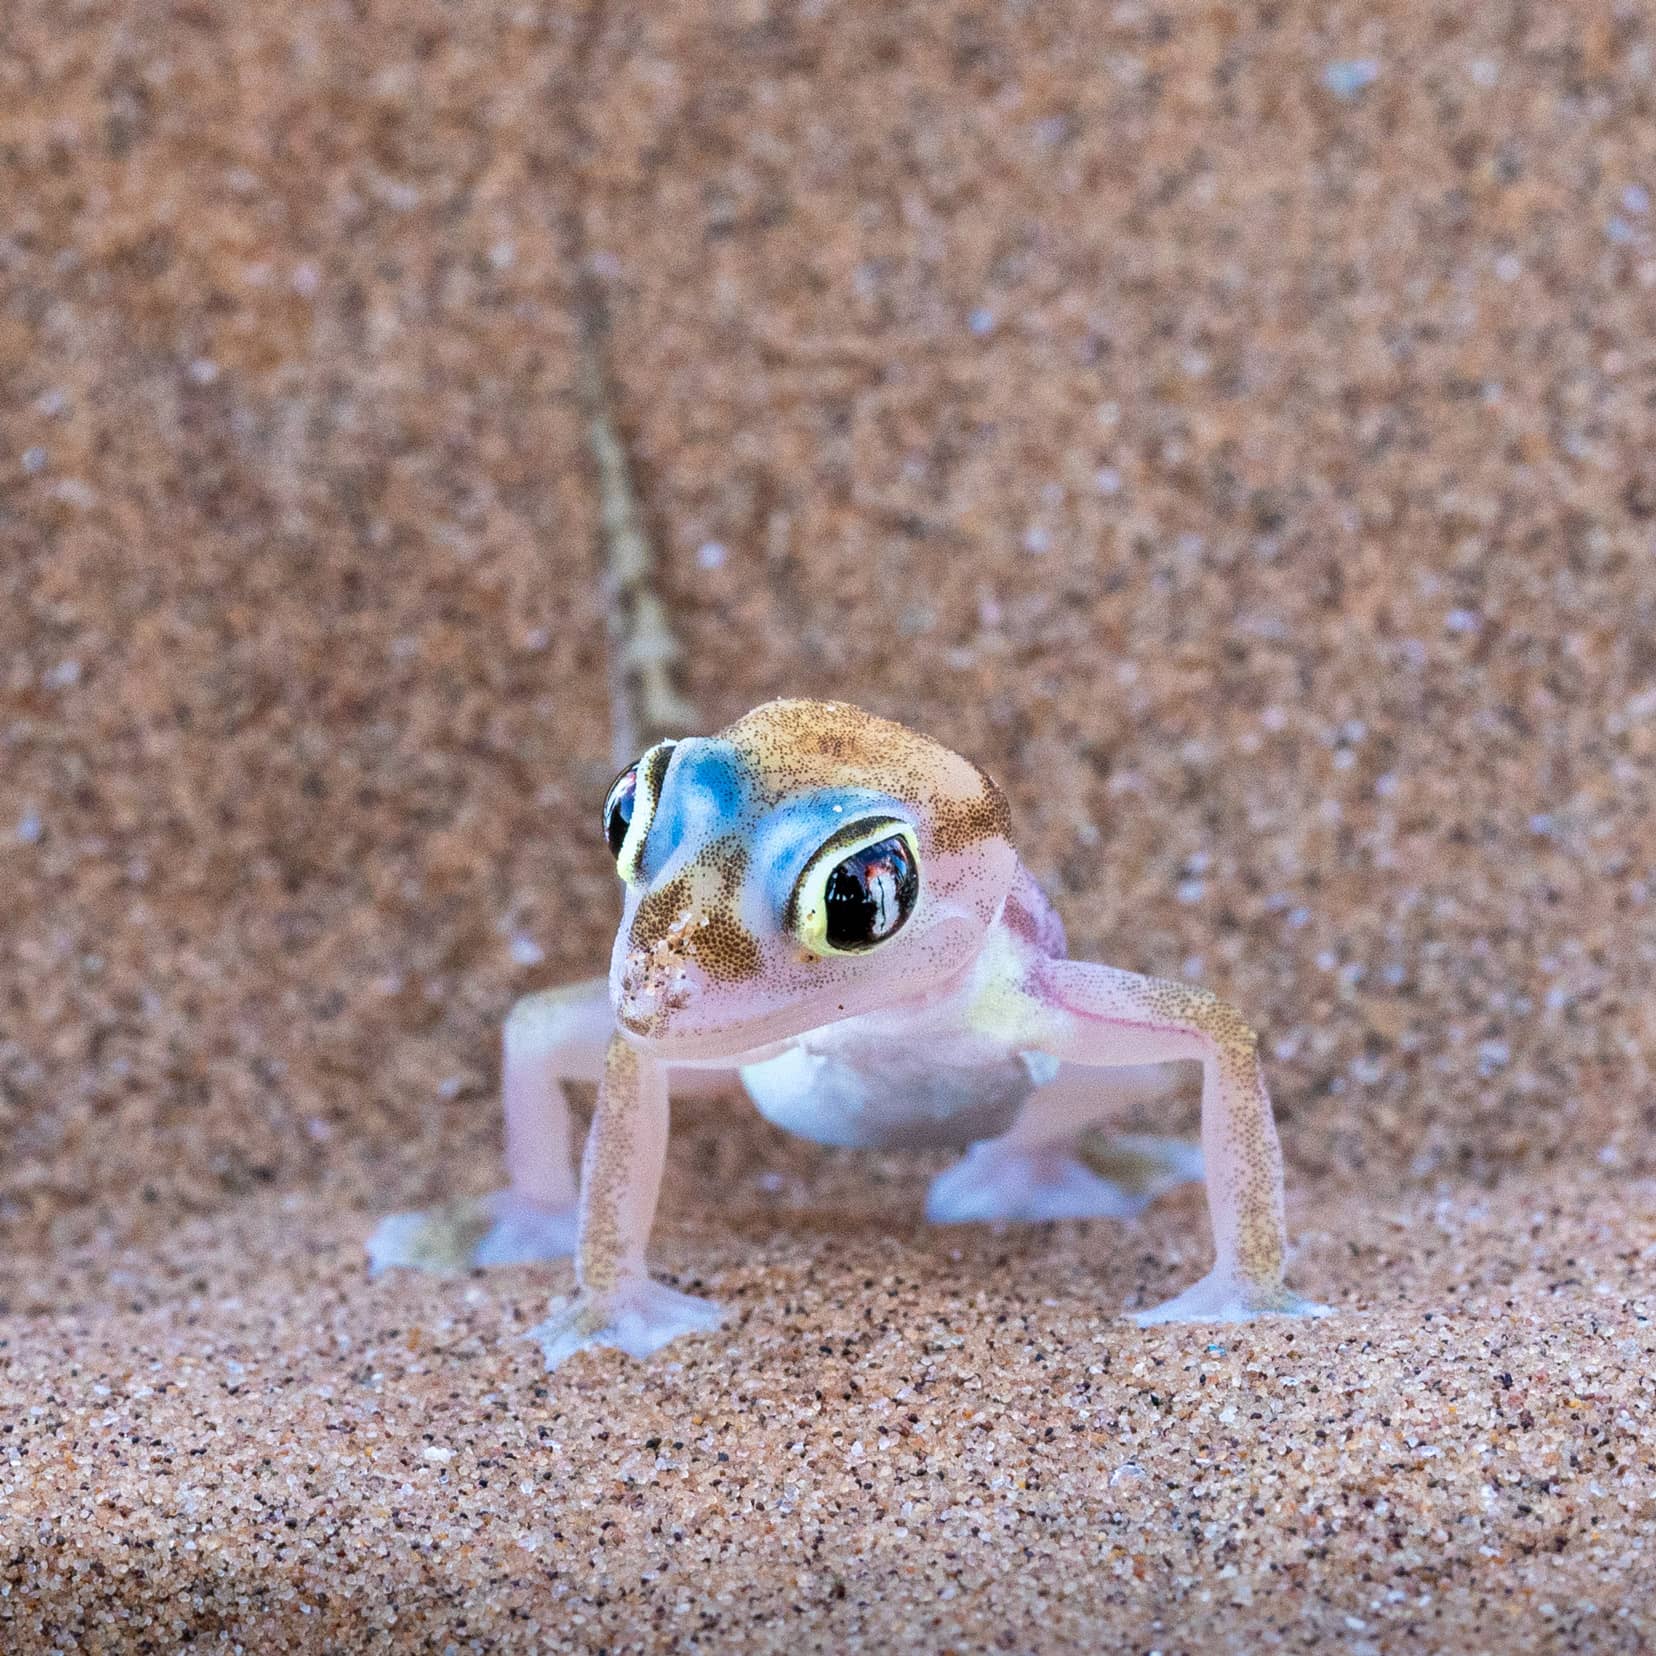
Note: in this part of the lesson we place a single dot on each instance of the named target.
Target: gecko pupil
(618, 808)
(870, 894)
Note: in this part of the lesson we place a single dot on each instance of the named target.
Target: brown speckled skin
(793, 745)
(610, 1168)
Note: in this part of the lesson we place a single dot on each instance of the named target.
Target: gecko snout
(651, 985)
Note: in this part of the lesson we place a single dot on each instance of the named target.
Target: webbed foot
(502, 1229)
(1224, 1297)
(638, 1318)
(1100, 1179)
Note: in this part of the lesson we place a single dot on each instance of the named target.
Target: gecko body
(829, 907)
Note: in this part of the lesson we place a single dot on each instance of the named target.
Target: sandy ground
(907, 1438)
(1231, 425)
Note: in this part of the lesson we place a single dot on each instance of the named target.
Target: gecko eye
(629, 805)
(871, 894)
(858, 890)
(618, 808)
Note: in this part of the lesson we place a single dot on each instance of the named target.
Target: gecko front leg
(1096, 1015)
(616, 1303)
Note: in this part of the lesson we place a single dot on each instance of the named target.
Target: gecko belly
(902, 1102)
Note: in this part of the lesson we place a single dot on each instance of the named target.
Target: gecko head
(808, 864)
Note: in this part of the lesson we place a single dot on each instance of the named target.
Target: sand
(1231, 426)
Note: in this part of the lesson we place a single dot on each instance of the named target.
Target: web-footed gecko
(831, 905)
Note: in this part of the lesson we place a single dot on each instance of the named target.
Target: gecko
(830, 908)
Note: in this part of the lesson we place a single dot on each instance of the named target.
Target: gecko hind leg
(1056, 1163)
(1098, 1177)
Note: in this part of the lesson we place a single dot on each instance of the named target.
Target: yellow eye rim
(652, 770)
(806, 916)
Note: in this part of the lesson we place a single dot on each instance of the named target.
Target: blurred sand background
(1233, 425)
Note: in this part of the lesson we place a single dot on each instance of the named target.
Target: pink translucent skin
(706, 978)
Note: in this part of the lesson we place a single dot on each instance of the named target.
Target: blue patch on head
(703, 796)
(706, 796)
(787, 838)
